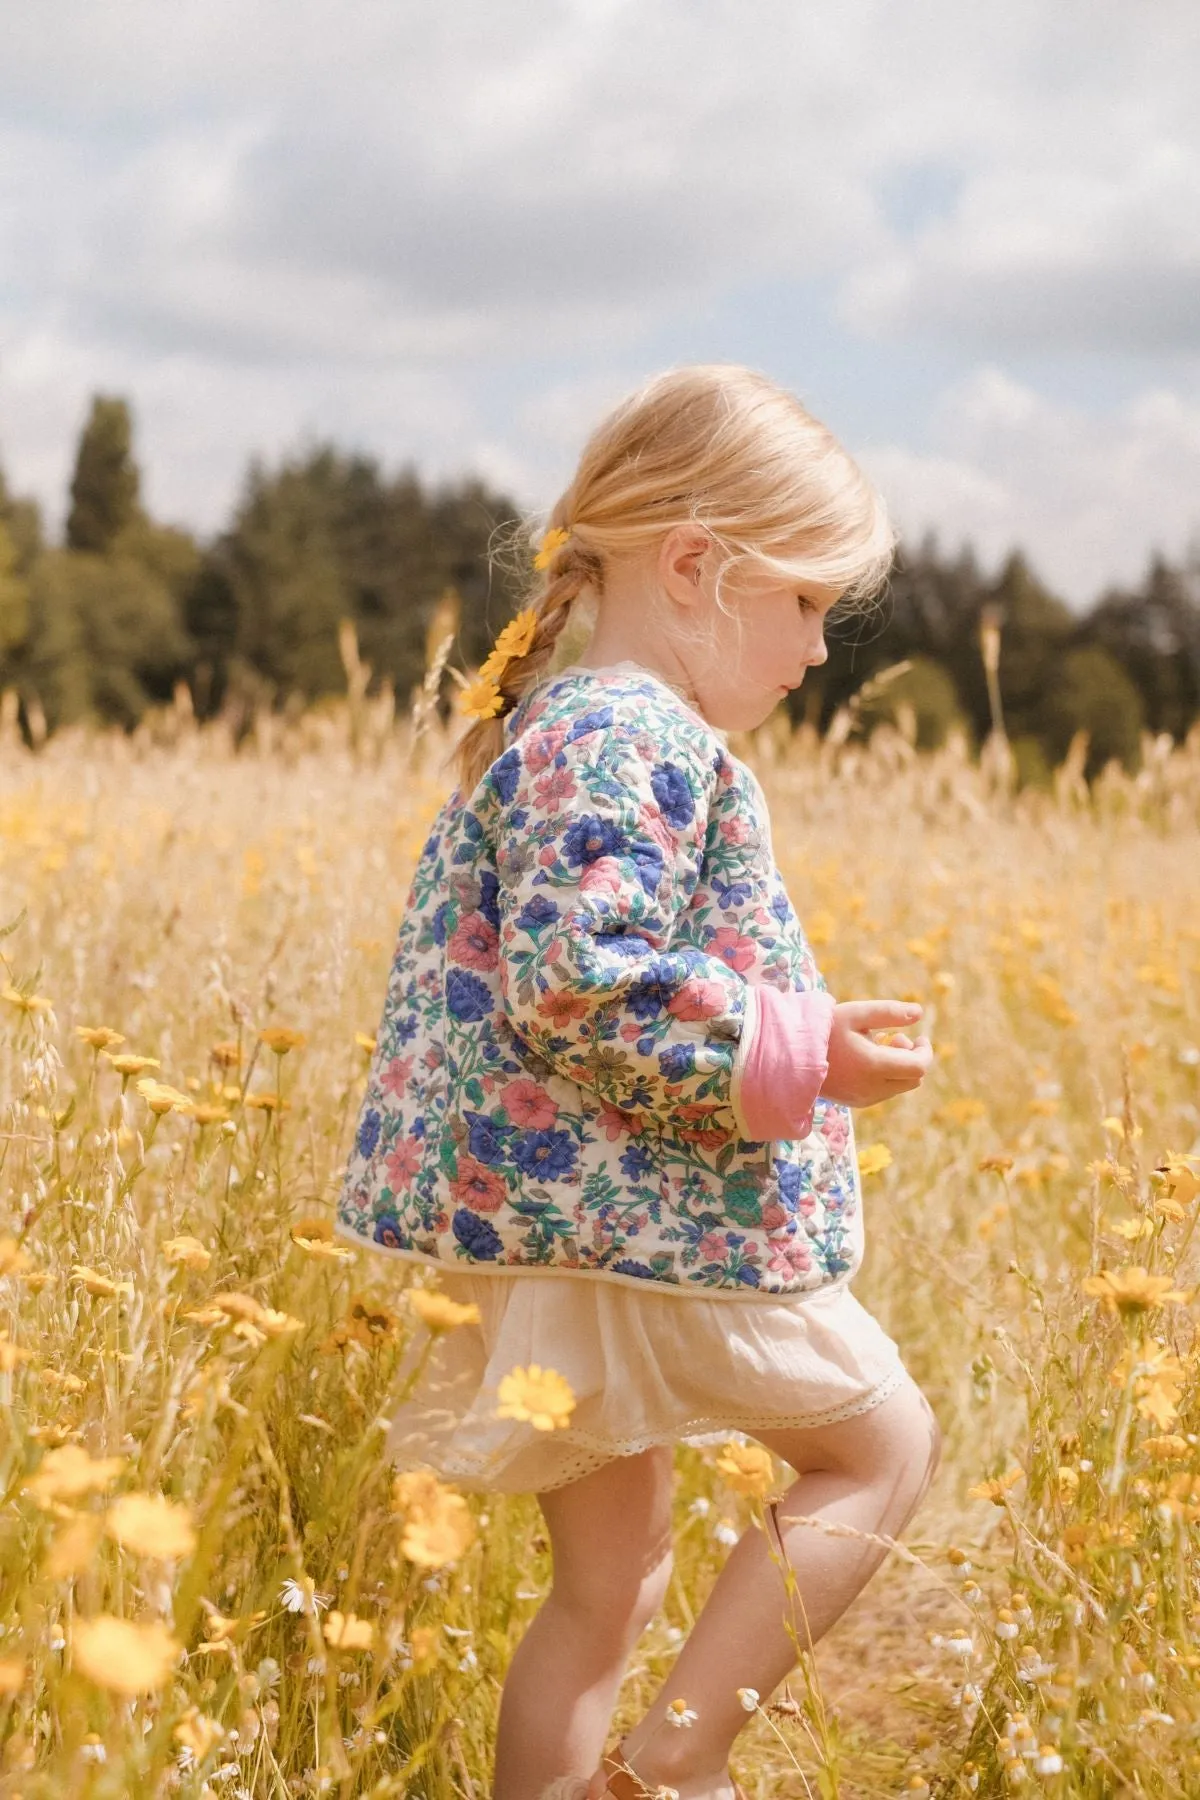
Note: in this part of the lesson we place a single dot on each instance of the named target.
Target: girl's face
(763, 643)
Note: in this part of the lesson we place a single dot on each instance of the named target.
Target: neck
(626, 631)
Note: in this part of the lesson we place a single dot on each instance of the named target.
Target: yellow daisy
(480, 699)
(551, 544)
(517, 636)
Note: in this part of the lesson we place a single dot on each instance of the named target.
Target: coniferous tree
(105, 485)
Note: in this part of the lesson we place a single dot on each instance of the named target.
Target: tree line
(105, 624)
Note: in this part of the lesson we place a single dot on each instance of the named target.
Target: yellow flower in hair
(480, 699)
(551, 544)
(517, 636)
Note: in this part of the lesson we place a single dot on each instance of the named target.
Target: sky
(453, 236)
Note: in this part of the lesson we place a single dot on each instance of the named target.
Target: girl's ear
(681, 562)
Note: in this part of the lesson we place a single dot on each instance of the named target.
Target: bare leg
(610, 1533)
(869, 1472)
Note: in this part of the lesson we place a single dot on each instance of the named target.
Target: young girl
(611, 1097)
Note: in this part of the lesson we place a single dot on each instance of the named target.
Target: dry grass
(191, 898)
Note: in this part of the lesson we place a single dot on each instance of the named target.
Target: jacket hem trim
(759, 1296)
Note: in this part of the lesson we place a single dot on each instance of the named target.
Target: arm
(599, 845)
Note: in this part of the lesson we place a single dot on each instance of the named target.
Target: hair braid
(571, 568)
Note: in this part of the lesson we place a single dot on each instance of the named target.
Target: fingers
(878, 1015)
(890, 1059)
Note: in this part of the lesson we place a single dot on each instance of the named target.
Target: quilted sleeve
(600, 835)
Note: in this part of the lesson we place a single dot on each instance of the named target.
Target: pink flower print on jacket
(555, 1080)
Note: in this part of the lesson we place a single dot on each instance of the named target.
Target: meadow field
(210, 1582)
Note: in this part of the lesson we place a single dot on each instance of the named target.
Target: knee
(623, 1600)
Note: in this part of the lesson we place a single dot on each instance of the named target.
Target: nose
(820, 655)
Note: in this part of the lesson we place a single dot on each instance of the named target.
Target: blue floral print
(553, 1077)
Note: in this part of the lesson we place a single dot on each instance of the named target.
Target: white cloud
(1086, 496)
(266, 218)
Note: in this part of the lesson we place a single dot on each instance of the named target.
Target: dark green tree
(105, 485)
(105, 638)
(327, 536)
(1153, 632)
(1091, 692)
(22, 519)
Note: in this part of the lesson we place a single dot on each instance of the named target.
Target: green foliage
(1092, 693)
(104, 487)
(327, 536)
(14, 597)
(105, 638)
(928, 691)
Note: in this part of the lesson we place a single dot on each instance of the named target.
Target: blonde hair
(712, 444)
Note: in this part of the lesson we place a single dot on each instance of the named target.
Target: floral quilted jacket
(554, 1085)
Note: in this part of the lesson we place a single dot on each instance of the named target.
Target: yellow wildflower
(226, 1055)
(1067, 1480)
(346, 1631)
(13, 1259)
(188, 1251)
(95, 1283)
(13, 1673)
(480, 699)
(132, 1065)
(961, 1110)
(1158, 1376)
(995, 1490)
(162, 1099)
(74, 1547)
(539, 1395)
(197, 1732)
(151, 1525)
(1179, 1185)
(68, 1473)
(1132, 1229)
(552, 542)
(517, 636)
(205, 1114)
(440, 1535)
(1181, 1495)
(424, 1643)
(872, 1158)
(279, 1039)
(315, 1237)
(222, 1630)
(268, 1102)
(124, 1657)
(1168, 1447)
(1132, 1290)
(746, 1467)
(26, 1002)
(417, 1490)
(60, 1378)
(248, 1311)
(364, 1042)
(11, 1354)
(367, 1323)
(438, 1312)
(99, 1036)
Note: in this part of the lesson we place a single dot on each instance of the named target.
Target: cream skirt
(645, 1368)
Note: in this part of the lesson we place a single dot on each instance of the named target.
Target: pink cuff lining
(785, 1063)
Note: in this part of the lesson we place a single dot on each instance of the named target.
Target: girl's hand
(863, 1072)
